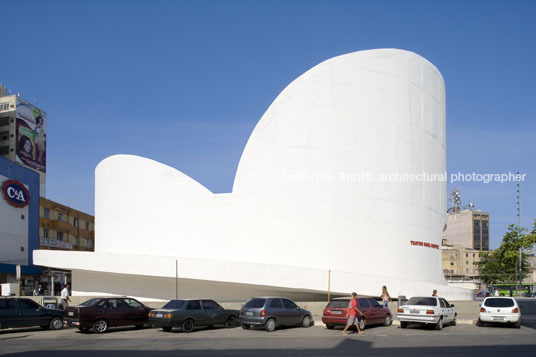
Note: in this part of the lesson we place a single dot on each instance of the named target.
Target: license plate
(336, 312)
(498, 318)
(159, 315)
(413, 311)
(71, 313)
(249, 313)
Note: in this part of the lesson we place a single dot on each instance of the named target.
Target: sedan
(101, 313)
(187, 314)
(21, 312)
(499, 309)
(432, 310)
(336, 310)
(270, 312)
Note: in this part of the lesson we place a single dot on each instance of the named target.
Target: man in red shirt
(353, 317)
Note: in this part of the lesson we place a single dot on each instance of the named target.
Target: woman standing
(385, 296)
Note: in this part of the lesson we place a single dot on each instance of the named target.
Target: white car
(428, 310)
(499, 309)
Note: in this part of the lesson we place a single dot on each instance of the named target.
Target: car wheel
(388, 320)
(330, 326)
(167, 328)
(100, 326)
(518, 324)
(479, 323)
(453, 323)
(439, 324)
(56, 323)
(306, 321)
(403, 324)
(269, 325)
(188, 326)
(362, 324)
(245, 326)
(230, 322)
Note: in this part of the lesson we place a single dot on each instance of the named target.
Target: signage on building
(54, 243)
(15, 193)
(31, 135)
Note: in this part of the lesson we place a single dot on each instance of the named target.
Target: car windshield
(338, 304)
(174, 304)
(255, 303)
(499, 302)
(89, 302)
(425, 301)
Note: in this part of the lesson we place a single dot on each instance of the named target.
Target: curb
(319, 323)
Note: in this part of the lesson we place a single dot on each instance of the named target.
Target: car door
(275, 308)
(215, 314)
(444, 311)
(117, 313)
(9, 313)
(363, 304)
(292, 312)
(136, 312)
(32, 314)
(449, 311)
(377, 311)
(193, 310)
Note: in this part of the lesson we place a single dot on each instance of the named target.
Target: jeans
(385, 303)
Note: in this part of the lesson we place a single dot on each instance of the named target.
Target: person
(385, 296)
(35, 292)
(64, 300)
(25, 149)
(40, 290)
(352, 314)
(434, 293)
(39, 139)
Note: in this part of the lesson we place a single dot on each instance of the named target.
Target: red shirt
(351, 308)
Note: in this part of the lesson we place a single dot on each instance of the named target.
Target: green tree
(501, 264)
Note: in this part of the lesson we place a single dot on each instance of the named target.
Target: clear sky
(185, 82)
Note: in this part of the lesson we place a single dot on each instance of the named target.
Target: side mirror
(451, 305)
(297, 307)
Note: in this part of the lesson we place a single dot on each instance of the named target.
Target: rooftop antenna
(455, 199)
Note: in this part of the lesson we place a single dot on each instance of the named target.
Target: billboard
(31, 135)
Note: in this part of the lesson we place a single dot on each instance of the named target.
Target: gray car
(271, 312)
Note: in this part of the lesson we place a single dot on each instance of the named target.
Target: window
(442, 303)
(467, 270)
(467, 262)
(363, 303)
(22, 217)
(4, 121)
(46, 212)
(4, 150)
(466, 255)
(255, 303)
(4, 135)
(174, 304)
(117, 303)
(87, 226)
(473, 255)
(452, 263)
(26, 304)
(45, 232)
(103, 304)
(499, 302)
(424, 301)
(75, 240)
(276, 304)
(193, 305)
(338, 304)
(451, 256)
(289, 304)
(7, 304)
(60, 216)
(59, 235)
(22, 249)
(86, 243)
(75, 222)
(374, 304)
(210, 305)
(133, 304)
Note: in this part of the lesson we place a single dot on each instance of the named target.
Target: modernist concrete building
(339, 188)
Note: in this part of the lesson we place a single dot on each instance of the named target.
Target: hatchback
(335, 313)
(271, 312)
(101, 313)
(499, 309)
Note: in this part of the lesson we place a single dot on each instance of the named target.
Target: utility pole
(520, 275)
(519, 202)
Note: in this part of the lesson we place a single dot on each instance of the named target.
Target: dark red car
(101, 313)
(373, 313)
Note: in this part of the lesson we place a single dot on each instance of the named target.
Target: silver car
(270, 312)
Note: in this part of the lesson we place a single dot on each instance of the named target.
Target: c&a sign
(15, 193)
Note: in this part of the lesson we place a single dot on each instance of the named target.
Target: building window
(473, 255)
(86, 243)
(87, 226)
(75, 240)
(467, 270)
(60, 216)
(4, 150)
(451, 263)
(466, 255)
(451, 256)
(22, 249)
(45, 232)
(22, 216)
(75, 222)
(46, 212)
(60, 235)
(466, 262)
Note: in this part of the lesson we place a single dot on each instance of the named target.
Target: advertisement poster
(31, 135)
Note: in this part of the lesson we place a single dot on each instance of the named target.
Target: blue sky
(185, 82)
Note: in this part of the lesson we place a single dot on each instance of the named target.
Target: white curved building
(323, 195)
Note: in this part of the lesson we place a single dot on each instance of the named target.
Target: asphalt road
(461, 340)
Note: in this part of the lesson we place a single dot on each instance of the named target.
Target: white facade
(316, 194)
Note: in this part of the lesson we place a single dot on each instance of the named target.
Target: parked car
(23, 312)
(187, 314)
(430, 310)
(100, 314)
(499, 309)
(271, 312)
(373, 313)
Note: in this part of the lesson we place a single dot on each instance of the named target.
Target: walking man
(65, 297)
(353, 316)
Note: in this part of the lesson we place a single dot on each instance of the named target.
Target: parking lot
(461, 340)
